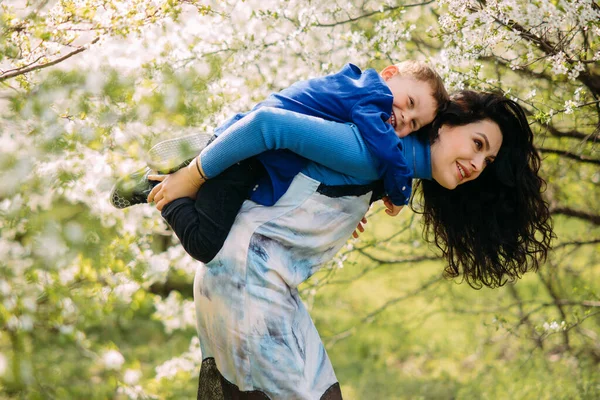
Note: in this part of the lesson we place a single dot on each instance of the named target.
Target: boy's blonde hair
(423, 72)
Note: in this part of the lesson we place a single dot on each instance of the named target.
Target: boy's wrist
(199, 168)
(196, 173)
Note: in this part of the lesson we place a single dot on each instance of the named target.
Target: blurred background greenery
(96, 303)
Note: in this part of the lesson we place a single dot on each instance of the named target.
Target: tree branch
(569, 212)
(521, 71)
(163, 289)
(582, 303)
(373, 314)
(22, 71)
(572, 156)
(571, 134)
(524, 317)
(576, 243)
(381, 263)
(367, 15)
(398, 260)
(589, 79)
(592, 81)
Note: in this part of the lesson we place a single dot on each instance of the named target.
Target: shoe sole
(130, 190)
(171, 155)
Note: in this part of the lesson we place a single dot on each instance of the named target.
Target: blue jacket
(350, 95)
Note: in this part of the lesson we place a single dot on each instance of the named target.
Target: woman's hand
(391, 209)
(183, 183)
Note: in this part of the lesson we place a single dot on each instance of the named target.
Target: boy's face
(414, 105)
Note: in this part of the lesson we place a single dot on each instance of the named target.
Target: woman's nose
(478, 164)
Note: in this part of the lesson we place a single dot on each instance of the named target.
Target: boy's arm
(381, 140)
(225, 125)
(335, 145)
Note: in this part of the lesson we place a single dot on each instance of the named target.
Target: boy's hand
(391, 209)
(360, 228)
(183, 183)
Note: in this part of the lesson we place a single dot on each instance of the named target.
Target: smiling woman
(492, 229)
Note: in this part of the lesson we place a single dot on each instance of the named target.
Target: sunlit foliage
(96, 302)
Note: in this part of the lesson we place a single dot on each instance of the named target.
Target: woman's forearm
(335, 145)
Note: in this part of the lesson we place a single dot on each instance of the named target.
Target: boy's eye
(411, 101)
(413, 124)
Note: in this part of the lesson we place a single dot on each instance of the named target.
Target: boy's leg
(132, 189)
(171, 155)
(203, 225)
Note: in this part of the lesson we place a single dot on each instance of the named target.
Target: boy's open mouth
(392, 121)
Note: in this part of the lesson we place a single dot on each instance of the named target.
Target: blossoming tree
(91, 294)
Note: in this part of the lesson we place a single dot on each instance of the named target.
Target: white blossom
(158, 267)
(132, 376)
(66, 329)
(67, 274)
(569, 106)
(3, 364)
(126, 289)
(174, 312)
(135, 392)
(113, 360)
(530, 95)
(5, 287)
(10, 302)
(554, 326)
(188, 362)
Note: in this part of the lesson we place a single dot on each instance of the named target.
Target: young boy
(384, 107)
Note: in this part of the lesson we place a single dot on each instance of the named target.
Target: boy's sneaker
(164, 157)
(171, 155)
(132, 189)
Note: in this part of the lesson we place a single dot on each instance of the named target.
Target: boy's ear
(389, 72)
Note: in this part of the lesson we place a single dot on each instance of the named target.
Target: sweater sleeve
(337, 146)
(380, 138)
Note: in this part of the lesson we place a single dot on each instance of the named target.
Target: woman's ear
(388, 72)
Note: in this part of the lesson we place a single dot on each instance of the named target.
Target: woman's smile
(460, 153)
(461, 172)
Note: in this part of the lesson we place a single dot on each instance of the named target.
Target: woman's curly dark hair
(496, 227)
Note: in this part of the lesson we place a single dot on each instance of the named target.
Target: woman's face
(461, 153)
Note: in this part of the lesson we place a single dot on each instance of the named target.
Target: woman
(483, 209)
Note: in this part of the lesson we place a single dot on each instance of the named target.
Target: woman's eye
(488, 161)
(479, 144)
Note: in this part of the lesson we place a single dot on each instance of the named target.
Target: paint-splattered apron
(257, 338)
